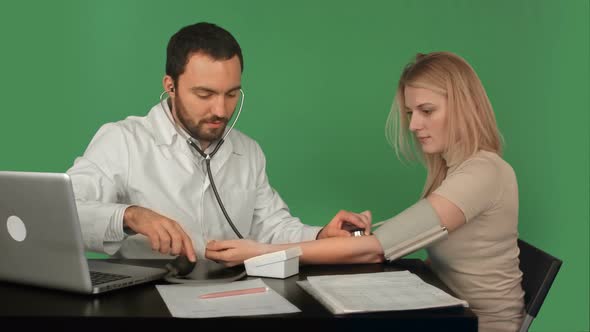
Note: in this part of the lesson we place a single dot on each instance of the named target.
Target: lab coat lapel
(221, 157)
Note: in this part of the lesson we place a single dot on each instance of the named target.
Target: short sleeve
(474, 186)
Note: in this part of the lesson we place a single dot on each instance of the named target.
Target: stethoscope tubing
(208, 157)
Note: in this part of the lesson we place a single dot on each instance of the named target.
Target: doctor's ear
(168, 83)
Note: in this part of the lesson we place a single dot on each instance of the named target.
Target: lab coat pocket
(240, 207)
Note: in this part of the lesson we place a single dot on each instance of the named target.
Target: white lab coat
(144, 161)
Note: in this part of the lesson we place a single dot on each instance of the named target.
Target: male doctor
(141, 187)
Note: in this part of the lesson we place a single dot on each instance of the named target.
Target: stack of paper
(371, 292)
(185, 300)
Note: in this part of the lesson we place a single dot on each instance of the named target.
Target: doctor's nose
(218, 107)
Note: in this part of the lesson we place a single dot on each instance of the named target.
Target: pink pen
(234, 292)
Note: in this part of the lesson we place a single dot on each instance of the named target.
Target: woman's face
(427, 113)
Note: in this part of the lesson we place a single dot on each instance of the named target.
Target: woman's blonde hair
(471, 124)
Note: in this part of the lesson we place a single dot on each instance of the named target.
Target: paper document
(383, 291)
(183, 300)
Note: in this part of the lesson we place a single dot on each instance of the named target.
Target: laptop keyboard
(101, 277)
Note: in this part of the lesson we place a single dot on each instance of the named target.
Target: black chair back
(539, 270)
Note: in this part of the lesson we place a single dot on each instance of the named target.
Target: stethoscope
(208, 157)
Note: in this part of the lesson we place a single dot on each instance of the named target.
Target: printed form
(382, 291)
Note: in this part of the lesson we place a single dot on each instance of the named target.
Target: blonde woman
(468, 214)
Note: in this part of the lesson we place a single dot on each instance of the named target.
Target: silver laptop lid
(40, 237)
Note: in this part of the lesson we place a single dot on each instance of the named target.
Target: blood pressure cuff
(414, 228)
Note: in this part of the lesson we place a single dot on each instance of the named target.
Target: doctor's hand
(165, 235)
(234, 252)
(337, 227)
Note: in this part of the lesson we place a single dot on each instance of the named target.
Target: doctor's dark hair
(206, 38)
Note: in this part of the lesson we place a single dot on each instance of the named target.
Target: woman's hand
(234, 252)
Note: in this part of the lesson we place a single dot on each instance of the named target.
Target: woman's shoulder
(486, 162)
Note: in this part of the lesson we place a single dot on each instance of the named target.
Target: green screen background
(319, 80)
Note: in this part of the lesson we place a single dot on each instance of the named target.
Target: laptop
(41, 240)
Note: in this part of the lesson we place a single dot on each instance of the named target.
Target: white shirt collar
(166, 129)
